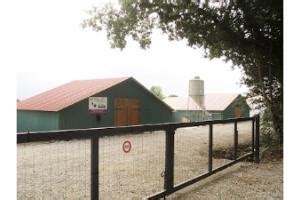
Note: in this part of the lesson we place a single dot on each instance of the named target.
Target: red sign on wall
(126, 146)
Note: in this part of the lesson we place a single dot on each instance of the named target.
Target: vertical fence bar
(94, 168)
(257, 120)
(236, 139)
(169, 161)
(210, 146)
(253, 136)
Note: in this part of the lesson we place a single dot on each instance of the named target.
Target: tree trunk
(277, 118)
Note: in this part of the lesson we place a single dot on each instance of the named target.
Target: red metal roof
(63, 96)
(182, 103)
(219, 101)
(213, 102)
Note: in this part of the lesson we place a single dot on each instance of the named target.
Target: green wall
(215, 114)
(152, 110)
(36, 121)
(239, 101)
(193, 115)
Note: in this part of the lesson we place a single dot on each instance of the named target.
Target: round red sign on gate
(126, 146)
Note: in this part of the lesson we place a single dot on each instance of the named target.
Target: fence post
(94, 168)
(236, 139)
(169, 161)
(257, 121)
(210, 146)
(253, 136)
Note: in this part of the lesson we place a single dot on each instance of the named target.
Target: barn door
(133, 112)
(237, 111)
(126, 112)
(120, 112)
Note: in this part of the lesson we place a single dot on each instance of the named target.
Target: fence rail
(94, 134)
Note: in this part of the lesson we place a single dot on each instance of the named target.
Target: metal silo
(196, 91)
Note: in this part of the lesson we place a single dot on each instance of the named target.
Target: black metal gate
(94, 134)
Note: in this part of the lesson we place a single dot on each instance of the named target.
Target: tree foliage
(157, 91)
(249, 33)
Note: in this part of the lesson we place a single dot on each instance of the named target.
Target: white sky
(54, 49)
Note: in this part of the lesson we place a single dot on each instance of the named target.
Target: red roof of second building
(63, 96)
(213, 102)
(182, 103)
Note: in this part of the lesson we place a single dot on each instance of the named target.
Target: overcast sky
(53, 49)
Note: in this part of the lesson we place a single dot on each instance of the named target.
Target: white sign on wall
(98, 104)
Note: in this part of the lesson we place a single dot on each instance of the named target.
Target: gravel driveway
(61, 169)
(242, 181)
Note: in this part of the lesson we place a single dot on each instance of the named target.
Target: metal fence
(83, 162)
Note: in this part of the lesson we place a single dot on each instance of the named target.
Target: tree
(249, 33)
(157, 91)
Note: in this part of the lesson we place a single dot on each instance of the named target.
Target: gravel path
(242, 181)
(61, 170)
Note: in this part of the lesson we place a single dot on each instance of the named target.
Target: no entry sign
(126, 146)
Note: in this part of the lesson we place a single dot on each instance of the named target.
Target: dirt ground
(61, 169)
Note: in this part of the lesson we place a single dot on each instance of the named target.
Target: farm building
(215, 106)
(199, 106)
(92, 103)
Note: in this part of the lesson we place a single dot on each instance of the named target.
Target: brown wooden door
(120, 117)
(133, 112)
(237, 111)
(126, 112)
